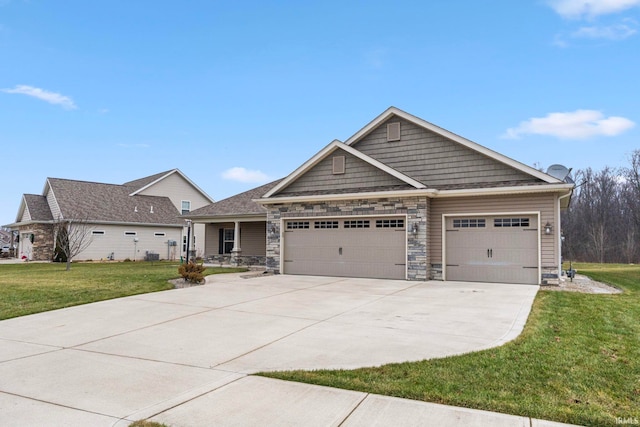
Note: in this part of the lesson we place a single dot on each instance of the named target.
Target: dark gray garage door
(346, 247)
(502, 249)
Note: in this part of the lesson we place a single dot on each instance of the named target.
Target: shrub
(192, 272)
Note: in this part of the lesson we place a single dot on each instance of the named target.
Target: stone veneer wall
(42, 241)
(415, 208)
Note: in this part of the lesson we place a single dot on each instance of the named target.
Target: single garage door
(502, 249)
(346, 247)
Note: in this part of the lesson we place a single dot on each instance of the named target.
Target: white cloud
(611, 32)
(590, 8)
(579, 124)
(44, 95)
(244, 175)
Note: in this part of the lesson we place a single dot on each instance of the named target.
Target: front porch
(236, 243)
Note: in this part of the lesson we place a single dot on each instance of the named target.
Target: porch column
(235, 252)
(236, 238)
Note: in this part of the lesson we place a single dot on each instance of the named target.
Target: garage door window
(296, 225)
(357, 224)
(325, 224)
(469, 223)
(390, 223)
(511, 222)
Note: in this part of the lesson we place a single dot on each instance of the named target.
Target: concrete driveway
(184, 354)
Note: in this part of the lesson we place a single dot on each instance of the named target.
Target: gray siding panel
(543, 203)
(435, 160)
(359, 176)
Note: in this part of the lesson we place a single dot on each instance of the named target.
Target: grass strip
(29, 288)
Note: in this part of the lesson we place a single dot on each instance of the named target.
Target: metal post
(188, 239)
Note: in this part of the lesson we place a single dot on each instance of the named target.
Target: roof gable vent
(338, 165)
(393, 131)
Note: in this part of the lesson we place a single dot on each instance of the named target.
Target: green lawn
(28, 288)
(577, 361)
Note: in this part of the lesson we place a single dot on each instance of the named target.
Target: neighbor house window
(186, 207)
(229, 234)
(160, 234)
(469, 223)
(98, 232)
(130, 233)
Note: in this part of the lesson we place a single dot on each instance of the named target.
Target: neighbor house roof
(37, 207)
(98, 202)
(139, 185)
(240, 204)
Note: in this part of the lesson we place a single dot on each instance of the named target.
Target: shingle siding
(359, 176)
(434, 160)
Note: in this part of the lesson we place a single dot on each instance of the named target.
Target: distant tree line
(602, 223)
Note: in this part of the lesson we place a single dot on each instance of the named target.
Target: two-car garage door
(346, 247)
(502, 249)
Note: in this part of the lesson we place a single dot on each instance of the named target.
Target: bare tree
(72, 237)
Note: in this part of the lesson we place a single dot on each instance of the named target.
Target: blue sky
(238, 93)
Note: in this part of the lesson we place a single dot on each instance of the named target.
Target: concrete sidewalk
(183, 356)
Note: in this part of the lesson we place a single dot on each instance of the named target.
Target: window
(511, 222)
(186, 207)
(358, 223)
(469, 223)
(98, 232)
(390, 223)
(130, 233)
(228, 239)
(295, 225)
(160, 234)
(325, 224)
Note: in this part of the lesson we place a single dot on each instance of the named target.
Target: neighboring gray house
(126, 221)
(400, 199)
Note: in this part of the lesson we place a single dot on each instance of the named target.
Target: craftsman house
(400, 199)
(136, 220)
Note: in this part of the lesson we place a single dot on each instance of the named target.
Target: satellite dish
(558, 171)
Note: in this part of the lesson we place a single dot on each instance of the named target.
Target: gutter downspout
(569, 194)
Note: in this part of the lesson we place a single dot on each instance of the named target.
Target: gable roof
(37, 207)
(393, 111)
(98, 202)
(326, 151)
(139, 185)
(240, 204)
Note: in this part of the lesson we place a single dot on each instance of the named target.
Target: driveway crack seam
(355, 408)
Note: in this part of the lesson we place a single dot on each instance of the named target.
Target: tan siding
(433, 159)
(53, 205)
(123, 246)
(176, 188)
(544, 203)
(25, 215)
(359, 175)
(253, 238)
